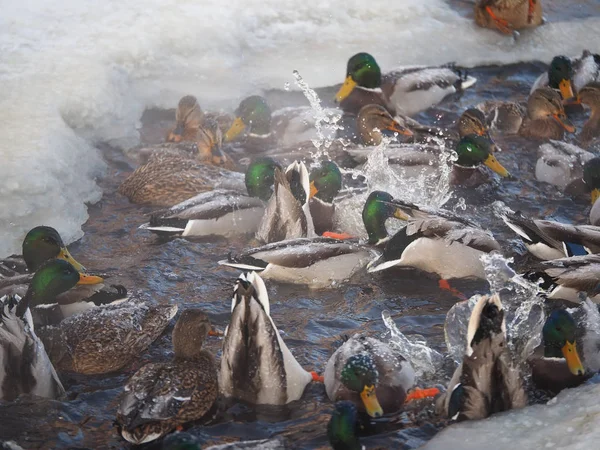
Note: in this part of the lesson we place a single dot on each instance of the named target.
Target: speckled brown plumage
(516, 14)
(543, 107)
(590, 96)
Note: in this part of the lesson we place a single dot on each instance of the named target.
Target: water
(76, 80)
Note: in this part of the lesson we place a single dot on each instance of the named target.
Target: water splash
(424, 360)
(591, 339)
(456, 325)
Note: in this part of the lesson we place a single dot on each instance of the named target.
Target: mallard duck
(485, 382)
(369, 373)
(570, 75)
(287, 215)
(343, 426)
(325, 185)
(433, 241)
(220, 212)
(561, 164)
(590, 96)
(256, 366)
(25, 367)
(555, 364)
(503, 117)
(591, 179)
(253, 117)
(406, 91)
(508, 15)
(40, 245)
(546, 117)
(167, 180)
(162, 396)
(189, 118)
(105, 339)
(374, 120)
(546, 239)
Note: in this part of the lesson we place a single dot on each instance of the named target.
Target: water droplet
(286, 86)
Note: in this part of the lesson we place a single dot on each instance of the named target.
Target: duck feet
(316, 377)
(532, 4)
(445, 286)
(501, 24)
(419, 394)
(340, 236)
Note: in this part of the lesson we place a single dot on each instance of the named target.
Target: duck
(166, 180)
(507, 16)
(570, 75)
(26, 367)
(555, 363)
(222, 212)
(105, 340)
(325, 185)
(367, 372)
(251, 129)
(486, 382)
(561, 164)
(406, 91)
(590, 96)
(256, 365)
(591, 180)
(503, 117)
(547, 239)
(343, 427)
(433, 241)
(374, 120)
(160, 397)
(42, 244)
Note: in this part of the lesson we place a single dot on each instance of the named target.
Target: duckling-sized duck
(433, 241)
(485, 382)
(325, 185)
(166, 180)
(104, 340)
(590, 96)
(406, 91)
(555, 364)
(26, 367)
(256, 366)
(507, 16)
(162, 396)
(220, 212)
(561, 164)
(546, 239)
(40, 245)
(367, 372)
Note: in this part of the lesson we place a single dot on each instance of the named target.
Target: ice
(570, 422)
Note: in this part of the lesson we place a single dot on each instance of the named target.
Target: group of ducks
(57, 317)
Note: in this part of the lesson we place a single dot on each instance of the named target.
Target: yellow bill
(64, 254)
(313, 190)
(235, 129)
(595, 195)
(493, 164)
(84, 278)
(346, 89)
(570, 353)
(399, 214)
(370, 401)
(566, 89)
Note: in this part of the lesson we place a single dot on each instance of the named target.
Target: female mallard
(220, 212)
(486, 381)
(590, 96)
(555, 364)
(433, 241)
(162, 396)
(325, 185)
(546, 117)
(406, 91)
(591, 179)
(256, 366)
(105, 340)
(369, 373)
(561, 164)
(546, 239)
(25, 367)
(508, 15)
(40, 245)
(373, 121)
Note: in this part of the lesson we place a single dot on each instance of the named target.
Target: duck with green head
(343, 427)
(325, 185)
(401, 91)
(253, 117)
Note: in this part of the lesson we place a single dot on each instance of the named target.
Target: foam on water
(94, 67)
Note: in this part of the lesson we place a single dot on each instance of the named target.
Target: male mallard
(24, 364)
(508, 15)
(561, 164)
(433, 241)
(105, 340)
(546, 239)
(590, 96)
(325, 185)
(570, 75)
(162, 396)
(220, 212)
(343, 426)
(406, 91)
(486, 381)
(555, 364)
(166, 180)
(253, 117)
(40, 245)
(369, 373)
(591, 179)
(256, 365)
(546, 118)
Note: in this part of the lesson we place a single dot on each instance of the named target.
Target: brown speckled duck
(508, 15)
(546, 117)
(590, 96)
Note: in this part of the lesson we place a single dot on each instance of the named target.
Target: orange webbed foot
(501, 24)
(445, 286)
(419, 394)
(340, 236)
(316, 377)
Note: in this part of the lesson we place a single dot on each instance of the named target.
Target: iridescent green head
(325, 181)
(260, 178)
(378, 208)
(474, 150)
(591, 177)
(342, 427)
(42, 244)
(363, 71)
(360, 375)
(560, 76)
(253, 115)
(560, 333)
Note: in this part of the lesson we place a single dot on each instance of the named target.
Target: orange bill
(565, 123)
(395, 126)
(84, 278)
(570, 353)
(370, 401)
(313, 190)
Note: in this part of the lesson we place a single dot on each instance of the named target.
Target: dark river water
(187, 273)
